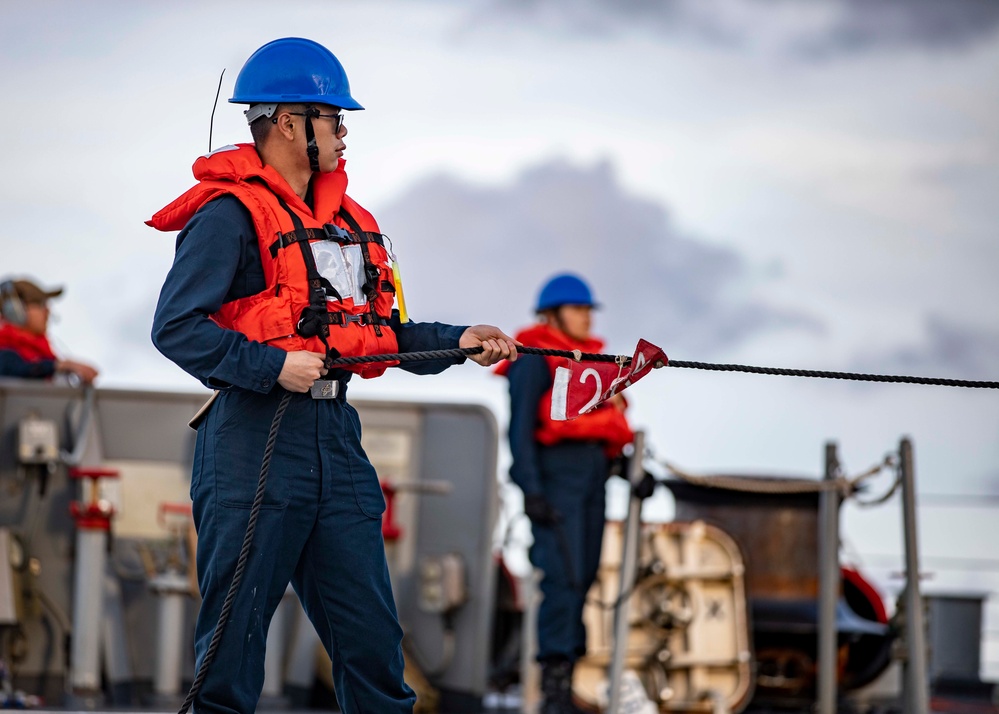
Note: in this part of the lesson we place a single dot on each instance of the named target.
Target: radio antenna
(211, 122)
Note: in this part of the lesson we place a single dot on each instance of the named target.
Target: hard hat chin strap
(312, 149)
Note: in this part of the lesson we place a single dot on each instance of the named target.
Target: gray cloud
(973, 183)
(947, 349)
(925, 23)
(821, 28)
(48, 30)
(483, 251)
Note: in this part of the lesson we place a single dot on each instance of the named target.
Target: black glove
(646, 487)
(539, 510)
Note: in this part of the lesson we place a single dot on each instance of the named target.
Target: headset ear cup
(11, 306)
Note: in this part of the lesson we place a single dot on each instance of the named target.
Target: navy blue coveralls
(571, 475)
(320, 524)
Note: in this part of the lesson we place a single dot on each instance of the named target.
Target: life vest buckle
(336, 233)
(343, 319)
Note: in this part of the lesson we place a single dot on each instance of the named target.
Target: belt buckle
(325, 389)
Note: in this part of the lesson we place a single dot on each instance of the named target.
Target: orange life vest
(605, 423)
(330, 287)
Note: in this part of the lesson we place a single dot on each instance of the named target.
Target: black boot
(556, 686)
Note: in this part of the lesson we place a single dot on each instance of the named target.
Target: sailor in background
(562, 467)
(24, 344)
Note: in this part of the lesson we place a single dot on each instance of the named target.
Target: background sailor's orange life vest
(605, 423)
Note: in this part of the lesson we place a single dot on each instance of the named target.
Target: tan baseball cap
(29, 292)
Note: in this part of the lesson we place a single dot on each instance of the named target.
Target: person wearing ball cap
(24, 343)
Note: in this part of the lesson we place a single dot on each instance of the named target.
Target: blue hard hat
(564, 289)
(293, 70)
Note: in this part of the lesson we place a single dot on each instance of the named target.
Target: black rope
(821, 374)
(244, 553)
(467, 351)
(592, 357)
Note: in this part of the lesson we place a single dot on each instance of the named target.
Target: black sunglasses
(313, 113)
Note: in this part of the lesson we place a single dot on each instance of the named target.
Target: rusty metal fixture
(778, 536)
(786, 670)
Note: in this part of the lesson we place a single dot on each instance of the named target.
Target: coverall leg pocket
(364, 479)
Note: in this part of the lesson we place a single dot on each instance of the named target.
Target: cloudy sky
(756, 181)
